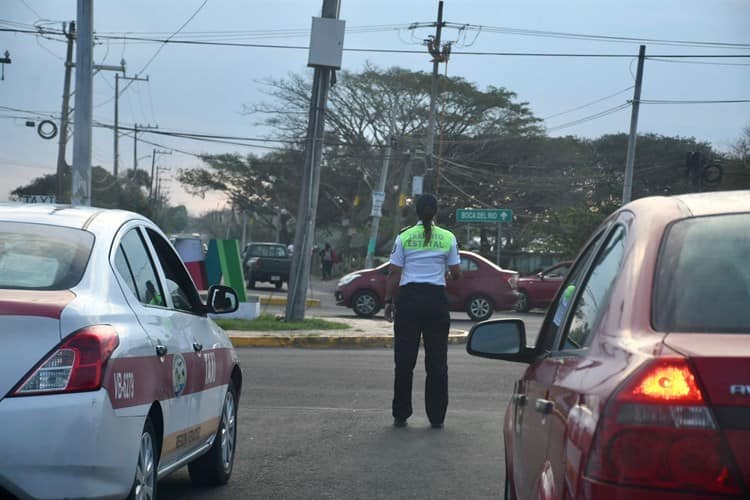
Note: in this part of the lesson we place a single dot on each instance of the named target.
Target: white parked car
(111, 374)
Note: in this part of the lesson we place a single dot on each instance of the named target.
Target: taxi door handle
(544, 406)
(197, 346)
(519, 399)
(161, 350)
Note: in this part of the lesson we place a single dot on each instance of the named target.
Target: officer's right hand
(389, 312)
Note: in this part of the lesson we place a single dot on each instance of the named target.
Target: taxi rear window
(702, 282)
(42, 257)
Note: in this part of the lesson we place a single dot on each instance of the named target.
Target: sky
(204, 89)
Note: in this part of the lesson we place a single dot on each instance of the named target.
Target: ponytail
(427, 223)
(426, 209)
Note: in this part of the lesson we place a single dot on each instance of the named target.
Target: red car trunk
(722, 362)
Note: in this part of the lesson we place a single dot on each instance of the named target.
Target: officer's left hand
(389, 312)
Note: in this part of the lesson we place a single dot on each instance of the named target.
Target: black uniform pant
(421, 310)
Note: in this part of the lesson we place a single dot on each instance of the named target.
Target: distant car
(638, 386)
(483, 289)
(539, 289)
(112, 373)
(266, 262)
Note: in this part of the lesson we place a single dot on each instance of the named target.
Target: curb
(316, 341)
(281, 301)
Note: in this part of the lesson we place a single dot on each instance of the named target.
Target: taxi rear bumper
(67, 446)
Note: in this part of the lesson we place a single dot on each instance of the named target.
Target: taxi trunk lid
(722, 362)
(29, 329)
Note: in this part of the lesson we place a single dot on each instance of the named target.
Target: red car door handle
(544, 406)
(519, 399)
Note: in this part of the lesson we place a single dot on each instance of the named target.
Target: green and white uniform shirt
(424, 263)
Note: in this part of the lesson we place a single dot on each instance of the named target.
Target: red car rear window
(42, 257)
(703, 276)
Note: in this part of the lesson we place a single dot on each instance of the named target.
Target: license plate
(275, 278)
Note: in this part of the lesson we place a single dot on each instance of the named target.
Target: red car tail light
(513, 281)
(76, 365)
(658, 432)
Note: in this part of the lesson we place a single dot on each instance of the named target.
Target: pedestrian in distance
(327, 257)
(421, 255)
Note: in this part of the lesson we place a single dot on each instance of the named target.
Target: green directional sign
(491, 215)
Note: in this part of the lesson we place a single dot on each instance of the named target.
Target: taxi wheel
(215, 467)
(144, 486)
(479, 307)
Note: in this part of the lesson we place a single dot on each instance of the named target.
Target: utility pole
(325, 63)
(137, 127)
(433, 46)
(627, 188)
(403, 192)
(62, 166)
(117, 117)
(80, 193)
(153, 165)
(376, 213)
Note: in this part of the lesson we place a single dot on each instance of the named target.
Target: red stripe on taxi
(142, 380)
(45, 303)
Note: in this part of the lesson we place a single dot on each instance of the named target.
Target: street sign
(378, 197)
(417, 184)
(490, 215)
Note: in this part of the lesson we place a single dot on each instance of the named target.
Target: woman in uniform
(423, 256)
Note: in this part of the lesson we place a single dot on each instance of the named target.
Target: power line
(31, 9)
(192, 16)
(688, 101)
(589, 118)
(657, 59)
(606, 38)
(588, 104)
(403, 51)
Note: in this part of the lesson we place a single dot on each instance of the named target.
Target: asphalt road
(317, 424)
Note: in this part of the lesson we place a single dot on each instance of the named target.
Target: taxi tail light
(658, 431)
(76, 365)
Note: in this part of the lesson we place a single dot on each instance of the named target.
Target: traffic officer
(419, 260)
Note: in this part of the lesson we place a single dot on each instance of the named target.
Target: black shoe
(399, 422)
(436, 425)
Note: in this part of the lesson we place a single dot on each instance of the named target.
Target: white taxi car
(111, 374)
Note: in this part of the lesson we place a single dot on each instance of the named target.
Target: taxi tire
(148, 429)
(209, 469)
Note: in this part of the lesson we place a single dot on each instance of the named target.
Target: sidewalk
(372, 332)
(375, 332)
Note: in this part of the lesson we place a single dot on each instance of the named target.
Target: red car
(539, 289)
(638, 386)
(483, 289)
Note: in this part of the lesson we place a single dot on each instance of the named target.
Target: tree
(366, 109)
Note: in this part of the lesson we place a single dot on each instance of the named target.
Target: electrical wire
(658, 59)
(589, 118)
(406, 51)
(688, 101)
(31, 9)
(588, 104)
